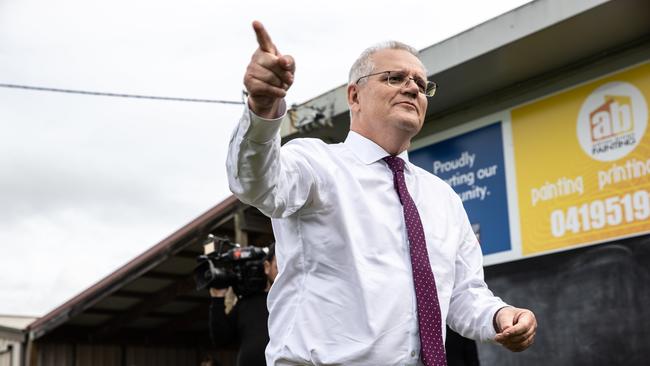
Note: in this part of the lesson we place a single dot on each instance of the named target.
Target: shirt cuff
(489, 332)
(262, 130)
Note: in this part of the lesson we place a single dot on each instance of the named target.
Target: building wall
(69, 354)
(10, 352)
(591, 298)
(591, 305)
(53, 354)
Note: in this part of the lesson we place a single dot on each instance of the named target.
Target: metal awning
(505, 57)
(152, 299)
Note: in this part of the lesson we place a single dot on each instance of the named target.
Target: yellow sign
(582, 160)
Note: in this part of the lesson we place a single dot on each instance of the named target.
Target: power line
(119, 95)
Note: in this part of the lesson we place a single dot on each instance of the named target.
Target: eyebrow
(415, 74)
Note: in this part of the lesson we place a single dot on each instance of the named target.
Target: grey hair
(364, 64)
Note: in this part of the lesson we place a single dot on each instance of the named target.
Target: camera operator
(246, 323)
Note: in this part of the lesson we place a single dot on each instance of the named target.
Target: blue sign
(472, 164)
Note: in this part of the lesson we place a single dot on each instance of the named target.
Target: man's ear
(353, 96)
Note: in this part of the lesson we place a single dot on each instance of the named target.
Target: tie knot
(395, 163)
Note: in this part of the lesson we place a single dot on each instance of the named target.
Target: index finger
(263, 38)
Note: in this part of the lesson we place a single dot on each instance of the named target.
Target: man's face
(384, 108)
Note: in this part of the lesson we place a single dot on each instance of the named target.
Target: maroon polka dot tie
(432, 349)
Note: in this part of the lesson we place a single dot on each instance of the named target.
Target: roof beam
(113, 312)
(147, 305)
(198, 314)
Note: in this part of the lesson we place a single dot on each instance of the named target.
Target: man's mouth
(408, 104)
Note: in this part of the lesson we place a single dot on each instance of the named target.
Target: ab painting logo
(612, 121)
(582, 162)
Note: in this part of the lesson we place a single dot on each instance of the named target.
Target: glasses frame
(434, 88)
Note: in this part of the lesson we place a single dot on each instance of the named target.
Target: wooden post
(241, 236)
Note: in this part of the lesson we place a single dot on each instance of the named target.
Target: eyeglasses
(399, 79)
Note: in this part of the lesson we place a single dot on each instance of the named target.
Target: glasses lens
(396, 78)
(399, 79)
(431, 88)
(422, 85)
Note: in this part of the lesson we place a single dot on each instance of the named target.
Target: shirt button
(412, 353)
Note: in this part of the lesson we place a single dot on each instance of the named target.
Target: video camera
(231, 265)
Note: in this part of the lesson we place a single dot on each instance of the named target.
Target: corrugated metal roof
(156, 289)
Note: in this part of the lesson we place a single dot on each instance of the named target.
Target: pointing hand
(268, 75)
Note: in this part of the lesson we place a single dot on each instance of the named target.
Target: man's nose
(411, 87)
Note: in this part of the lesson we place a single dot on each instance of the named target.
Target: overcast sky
(87, 183)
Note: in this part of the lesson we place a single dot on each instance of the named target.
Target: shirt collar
(368, 151)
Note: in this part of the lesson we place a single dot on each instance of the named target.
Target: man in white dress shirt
(345, 290)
